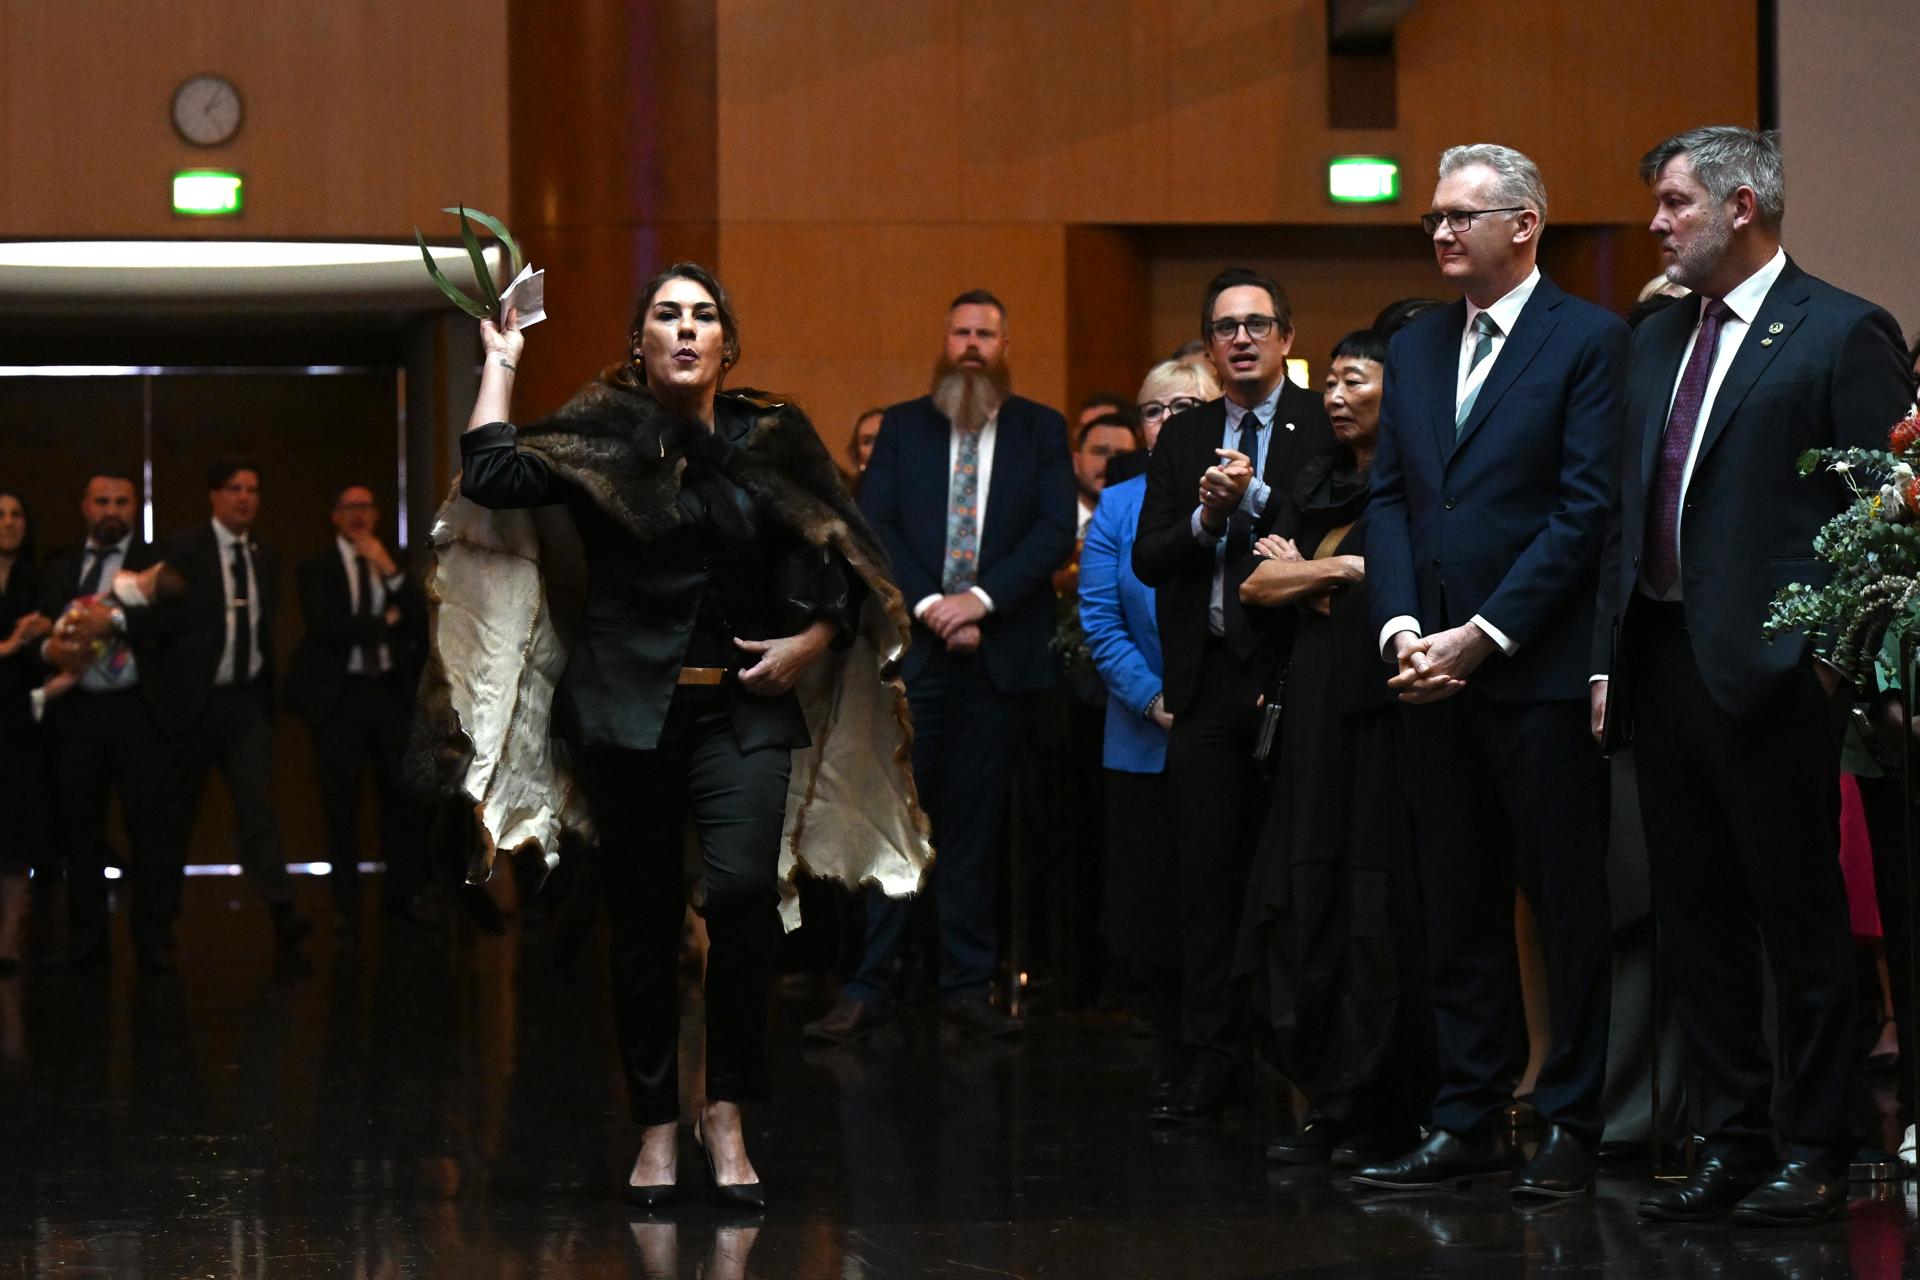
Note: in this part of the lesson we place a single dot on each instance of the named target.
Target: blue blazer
(1507, 520)
(1116, 614)
(1029, 531)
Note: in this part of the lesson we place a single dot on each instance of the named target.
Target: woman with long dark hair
(24, 827)
(724, 664)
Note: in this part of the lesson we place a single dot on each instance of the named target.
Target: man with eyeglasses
(1217, 478)
(1498, 432)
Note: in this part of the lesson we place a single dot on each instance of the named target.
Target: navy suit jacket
(1029, 530)
(1506, 519)
(1835, 374)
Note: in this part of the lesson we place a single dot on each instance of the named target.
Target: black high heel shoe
(749, 1196)
(653, 1196)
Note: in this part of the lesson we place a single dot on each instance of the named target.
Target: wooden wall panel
(361, 118)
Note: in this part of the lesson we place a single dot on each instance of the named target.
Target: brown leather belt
(703, 675)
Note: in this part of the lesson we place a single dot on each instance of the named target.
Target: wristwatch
(1153, 704)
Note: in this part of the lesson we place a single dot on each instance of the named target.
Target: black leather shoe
(978, 1020)
(1443, 1160)
(1561, 1168)
(1799, 1193)
(1374, 1146)
(748, 1196)
(848, 1022)
(1201, 1096)
(657, 1196)
(1312, 1143)
(1720, 1181)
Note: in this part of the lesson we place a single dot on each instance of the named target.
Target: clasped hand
(784, 659)
(946, 616)
(1437, 666)
(1222, 486)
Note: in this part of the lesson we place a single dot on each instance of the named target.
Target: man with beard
(1216, 482)
(1737, 739)
(105, 733)
(971, 491)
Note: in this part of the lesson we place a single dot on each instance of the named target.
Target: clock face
(206, 110)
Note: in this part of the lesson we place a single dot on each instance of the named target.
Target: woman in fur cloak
(659, 604)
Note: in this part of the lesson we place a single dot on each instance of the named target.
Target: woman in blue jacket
(1116, 614)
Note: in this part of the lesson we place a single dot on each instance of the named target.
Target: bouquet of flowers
(1874, 548)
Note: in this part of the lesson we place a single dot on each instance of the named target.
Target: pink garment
(1856, 862)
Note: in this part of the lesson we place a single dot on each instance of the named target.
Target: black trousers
(1507, 792)
(1219, 802)
(640, 801)
(235, 733)
(1743, 830)
(366, 731)
(1141, 879)
(102, 743)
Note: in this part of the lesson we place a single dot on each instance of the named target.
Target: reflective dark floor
(447, 1105)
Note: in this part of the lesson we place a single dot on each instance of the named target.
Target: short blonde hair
(1172, 378)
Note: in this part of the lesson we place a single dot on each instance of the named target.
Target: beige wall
(1852, 149)
(362, 118)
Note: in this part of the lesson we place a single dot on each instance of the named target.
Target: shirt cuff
(1393, 628)
(393, 582)
(985, 599)
(1602, 678)
(1496, 635)
(922, 605)
(1201, 534)
(1258, 494)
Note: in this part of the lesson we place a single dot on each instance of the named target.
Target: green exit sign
(1363, 180)
(206, 193)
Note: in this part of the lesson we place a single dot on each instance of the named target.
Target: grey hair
(1725, 158)
(1519, 181)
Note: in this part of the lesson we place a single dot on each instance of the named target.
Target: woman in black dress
(1333, 939)
(24, 826)
(710, 591)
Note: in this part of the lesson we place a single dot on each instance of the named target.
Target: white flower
(1842, 467)
(1902, 473)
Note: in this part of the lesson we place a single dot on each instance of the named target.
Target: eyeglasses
(1461, 220)
(1154, 410)
(1257, 326)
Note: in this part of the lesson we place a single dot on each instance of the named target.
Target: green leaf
(489, 292)
(499, 230)
(459, 298)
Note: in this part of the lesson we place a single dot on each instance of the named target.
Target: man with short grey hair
(1498, 430)
(1737, 738)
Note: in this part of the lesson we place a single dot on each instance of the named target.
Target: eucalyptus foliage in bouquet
(1874, 548)
(487, 306)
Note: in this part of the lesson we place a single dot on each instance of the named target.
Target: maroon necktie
(1662, 568)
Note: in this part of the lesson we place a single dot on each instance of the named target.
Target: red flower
(1910, 494)
(1906, 433)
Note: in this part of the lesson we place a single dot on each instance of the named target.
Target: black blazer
(318, 668)
(1507, 520)
(182, 674)
(1168, 558)
(150, 628)
(1835, 374)
(648, 602)
(1029, 531)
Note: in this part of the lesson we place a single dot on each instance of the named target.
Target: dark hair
(1394, 316)
(1115, 421)
(1119, 406)
(1188, 350)
(1652, 305)
(1361, 344)
(110, 475)
(729, 323)
(25, 554)
(853, 441)
(225, 469)
(341, 492)
(979, 298)
(1233, 278)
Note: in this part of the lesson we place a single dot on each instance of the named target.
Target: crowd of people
(1327, 678)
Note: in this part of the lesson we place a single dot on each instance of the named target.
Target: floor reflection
(447, 1104)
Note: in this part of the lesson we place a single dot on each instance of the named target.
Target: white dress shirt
(226, 540)
(1253, 504)
(383, 588)
(1506, 313)
(1743, 303)
(988, 431)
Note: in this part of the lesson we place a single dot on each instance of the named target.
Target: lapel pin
(1766, 342)
(1776, 327)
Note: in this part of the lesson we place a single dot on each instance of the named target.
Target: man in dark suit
(104, 733)
(1498, 433)
(214, 684)
(1736, 739)
(351, 679)
(1216, 481)
(971, 491)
